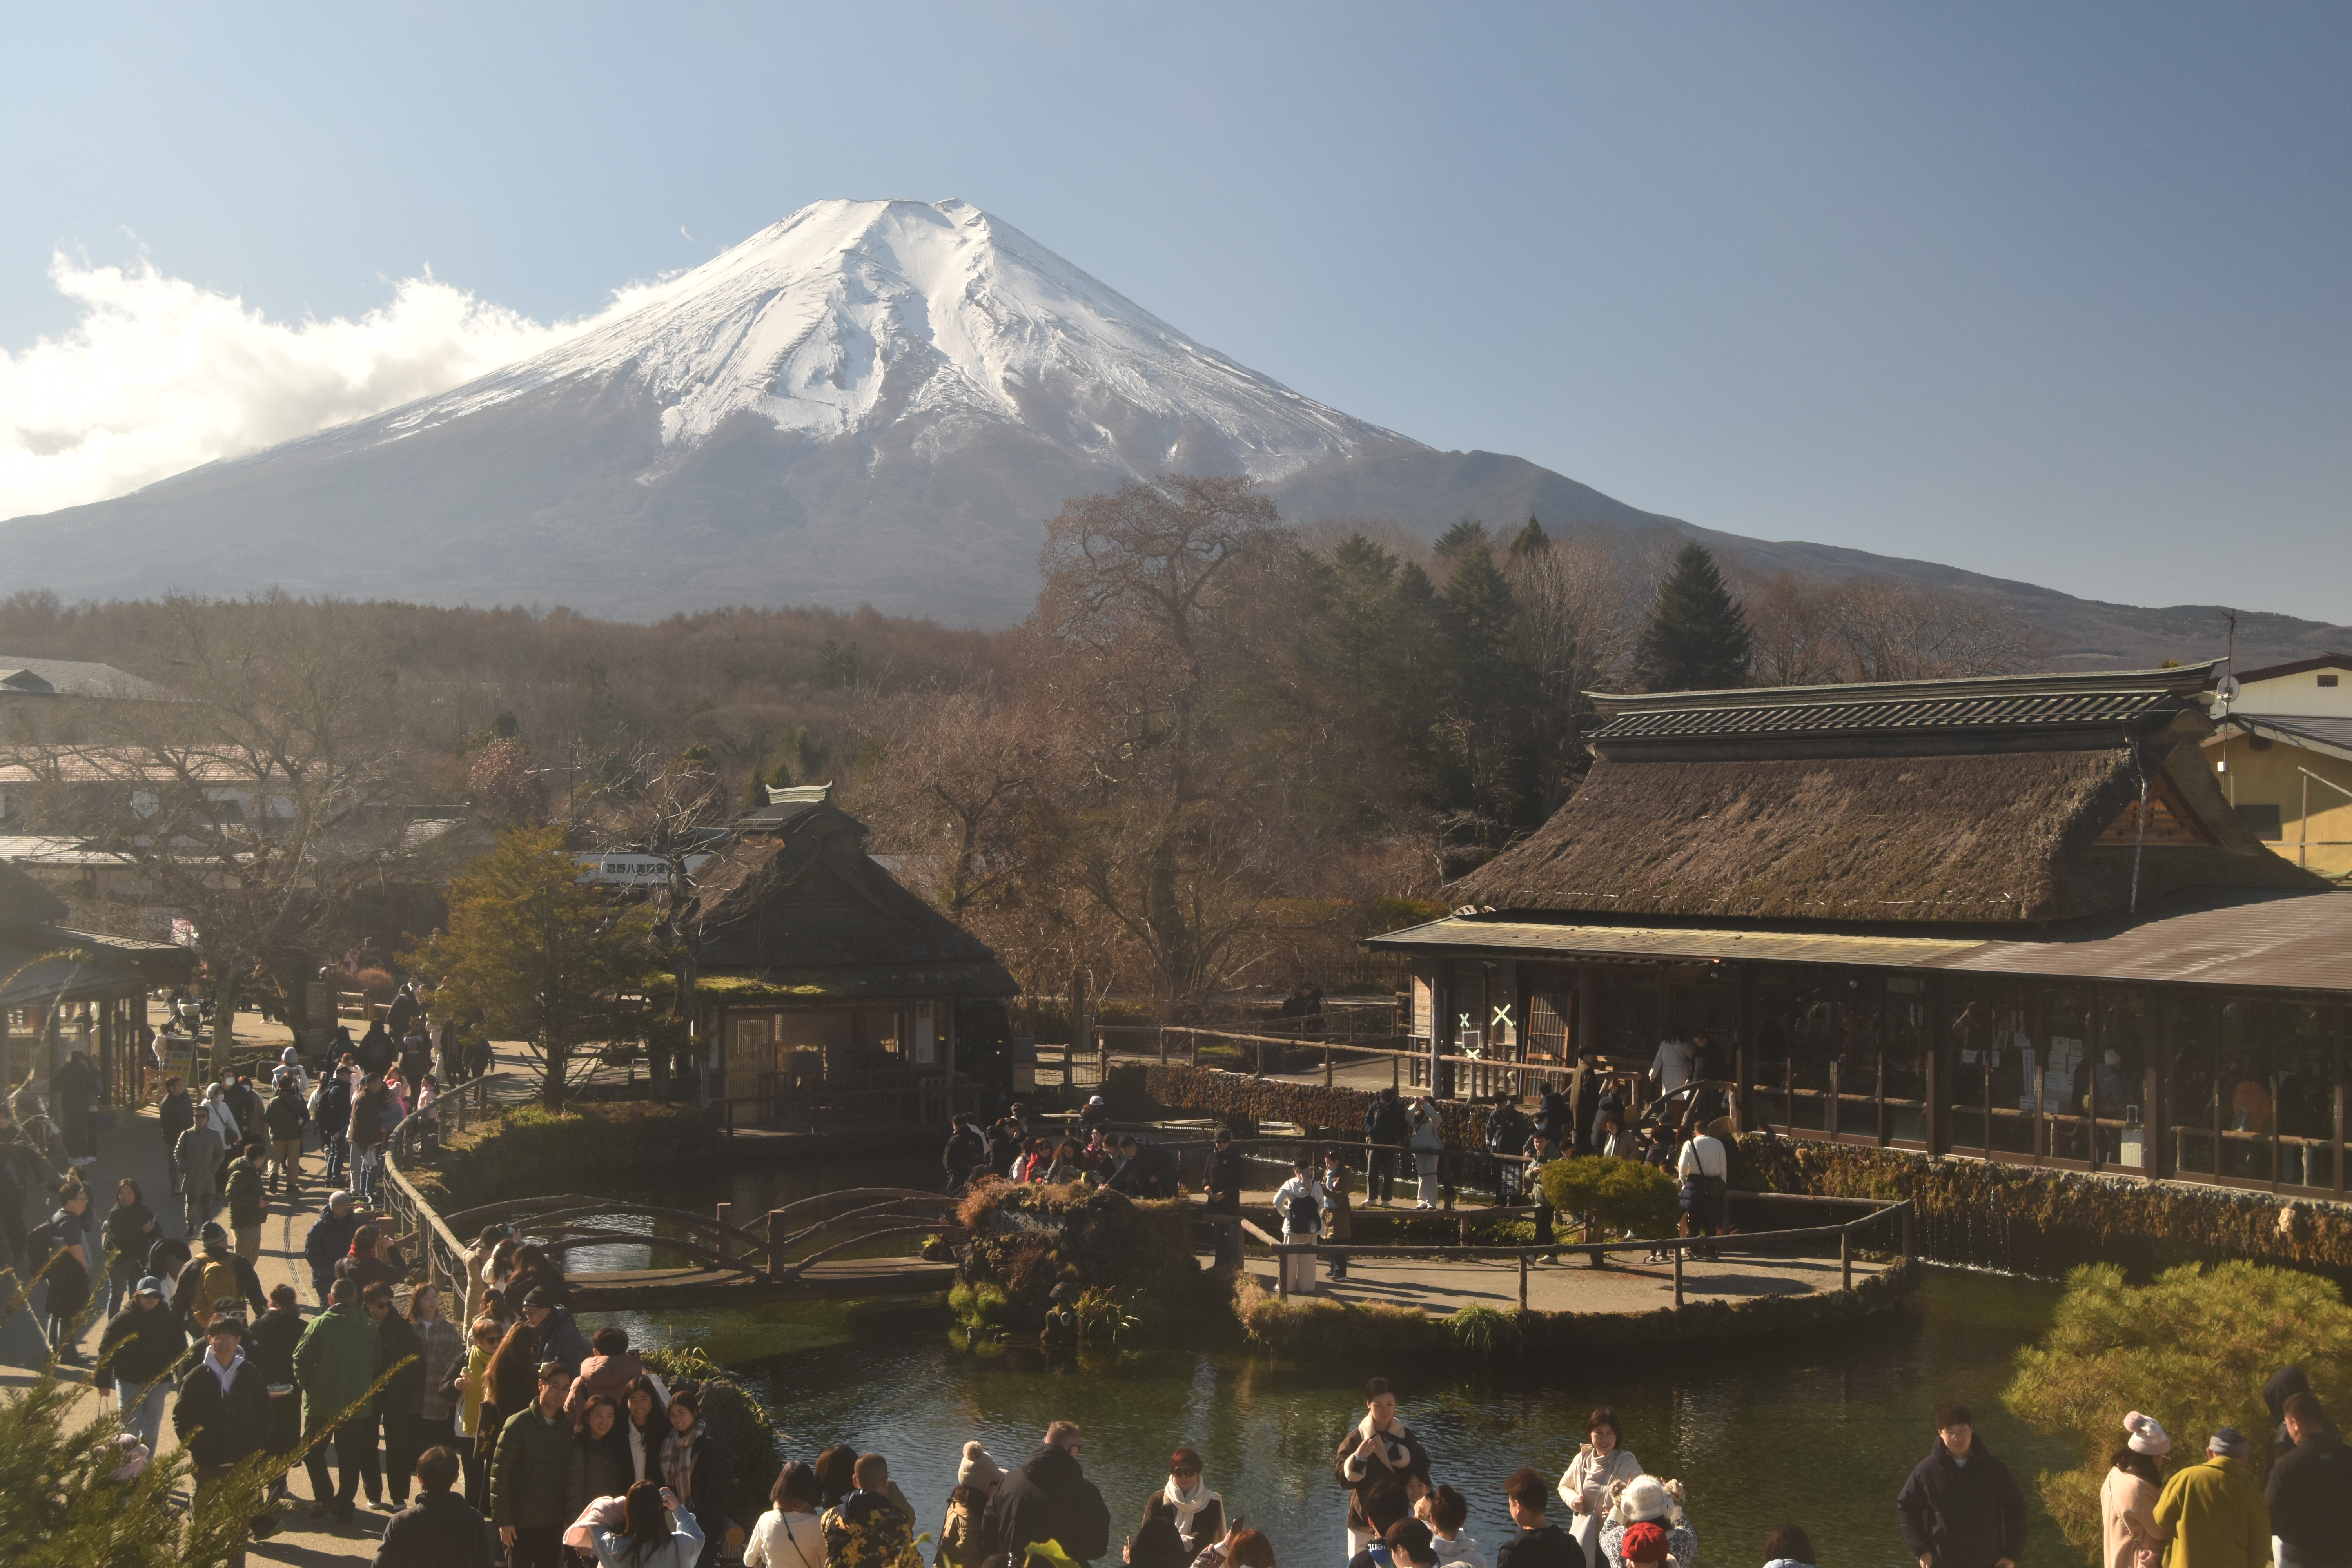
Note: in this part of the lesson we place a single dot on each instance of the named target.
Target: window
(2263, 820)
(2326, 680)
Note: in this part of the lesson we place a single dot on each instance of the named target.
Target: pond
(1820, 1430)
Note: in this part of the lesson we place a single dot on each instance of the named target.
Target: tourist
(1961, 1508)
(217, 1113)
(609, 1368)
(529, 1468)
(1446, 1512)
(175, 1113)
(1647, 1509)
(372, 1259)
(1788, 1547)
(837, 1473)
(1156, 1543)
(329, 1240)
(966, 1151)
(600, 1451)
(1508, 1132)
(286, 1119)
(646, 1406)
(1222, 1180)
(62, 1248)
(693, 1467)
(1147, 1169)
(1006, 1139)
(198, 1157)
(791, 1535)
(289, 1068)
(2284, 1384)
(963, 1534)
(444, 1355)
(1299, 1202)
(247, 1191)
(473, 1382)
(1339, 1219)
(655, 1531)
(400, 1396)
(371, 1121)
(221, 1416)
(376, 1050)
(1240, 1549)
(1703, 1168)
(476, 1259)
(559, 1337)
(1428, 1140)
(510, 1384)
(2213, 1511)
(1039, 1159)
(865, 1528)
(1198, 1513)
(2310, 1491)
(440, 1530)
(136, 1354)
(1555, 1117)
(1100, 1158)
(1601, 1470)
(1609, 1138)
(1048, 1497)
(1067, 1168)
(535, 1269)
(2128, 1497)
(1386, 1129)
(1095, 1114)
(128, 1232)
(1540, 1543)
(270, 1344)
(334, 1364)
(331, 1112)
(1378, 1447)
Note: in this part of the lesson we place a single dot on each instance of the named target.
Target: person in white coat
(1299, 1202)
(1671, 1068)
(1602, 1469)
(1428, 1148)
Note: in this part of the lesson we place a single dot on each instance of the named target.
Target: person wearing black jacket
(223, 1417)
(1222, 1183)
(441, 1529)
(400, 1401)
(1146, 1169)
(136, 1354)
(1377, 1448)
(967, 1153)
(1048, 1497)
(376, 1050)
(1387, 1128)
(2310, 1490)
(269, 1344)
(74, 1086)
(286, 1117)
(1961, 1508)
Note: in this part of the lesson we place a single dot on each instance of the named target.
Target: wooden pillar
(1678, 1276)
(726, 1217)
(1845, 1260)
(1523, 1281)
(777, 1231)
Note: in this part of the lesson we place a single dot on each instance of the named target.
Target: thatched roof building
(1968, 802)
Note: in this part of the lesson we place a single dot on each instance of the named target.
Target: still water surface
(1820, 1430)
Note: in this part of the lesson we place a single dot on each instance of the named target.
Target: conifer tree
(1696, 638)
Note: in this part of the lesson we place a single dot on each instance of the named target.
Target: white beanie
(1645, 1496)
(2146, 1437)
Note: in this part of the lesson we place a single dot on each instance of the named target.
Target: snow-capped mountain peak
(850, 317)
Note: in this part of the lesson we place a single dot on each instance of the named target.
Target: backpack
(216, 1284)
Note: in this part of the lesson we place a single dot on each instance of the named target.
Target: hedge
(1210, 1092)
(527, 1149)
(2045, 1222)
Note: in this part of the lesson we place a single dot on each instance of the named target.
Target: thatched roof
(1932, 802)
(25, 903)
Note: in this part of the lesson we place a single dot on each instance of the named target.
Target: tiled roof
(2012, 711)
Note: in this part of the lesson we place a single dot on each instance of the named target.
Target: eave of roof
(2331, 736)
(1686, 944)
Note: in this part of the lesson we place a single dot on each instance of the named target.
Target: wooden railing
(443, 1252)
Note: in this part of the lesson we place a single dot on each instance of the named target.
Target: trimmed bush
(1026, 1238)
(1622, 1195)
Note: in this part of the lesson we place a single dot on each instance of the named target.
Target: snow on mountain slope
(848, 317)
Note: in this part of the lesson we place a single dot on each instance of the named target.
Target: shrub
(1480, 1329)
(1026, 1238)
(1620, 1195)
(375, 984)
(2192, 1349)
(1180, 1086)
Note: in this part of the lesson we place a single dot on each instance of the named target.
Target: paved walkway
(135, 1148)
(1443, 1286)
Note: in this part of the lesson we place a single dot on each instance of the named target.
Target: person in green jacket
(2214, 1512)
(335, 1364)
(529, 1472)
(248, 1201)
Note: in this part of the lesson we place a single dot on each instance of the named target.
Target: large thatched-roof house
(2012, 916)
(833, 993)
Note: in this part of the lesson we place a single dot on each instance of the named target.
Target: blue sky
(2053, 292)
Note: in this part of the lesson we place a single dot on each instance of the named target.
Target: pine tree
(1696, 638)
(1532, 541)
(755, 793)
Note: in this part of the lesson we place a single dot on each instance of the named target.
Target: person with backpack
(62, 1245)
(215, 1281)
(247, 1191)
(286, 1117)
(136, 1354)
(1704, 1167)
(1386, 1128)
(198, 1156)
(1299, 1202)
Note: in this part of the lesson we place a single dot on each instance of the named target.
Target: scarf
(677, 1458)
(1187, 1504)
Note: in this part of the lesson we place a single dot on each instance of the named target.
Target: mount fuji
(870, 402)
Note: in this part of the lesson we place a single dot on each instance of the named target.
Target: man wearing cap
(215, 1280)
(223, 1417)
(560, 1339)
(1961, 1508)
(335, 1366)
(2214, 1512)
(135, 1356)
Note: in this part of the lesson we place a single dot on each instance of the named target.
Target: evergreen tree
(1696, 638)
(1532, 541)
(755, 793)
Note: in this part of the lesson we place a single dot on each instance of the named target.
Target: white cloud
(159, 376)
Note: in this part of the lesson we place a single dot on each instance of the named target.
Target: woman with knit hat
(2129, 1538)
(1647, 1513)
(960, 1535)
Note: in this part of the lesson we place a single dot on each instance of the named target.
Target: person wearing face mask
(1380, 1448)
(1601, 1470)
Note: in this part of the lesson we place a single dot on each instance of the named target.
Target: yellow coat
(2216, 1515)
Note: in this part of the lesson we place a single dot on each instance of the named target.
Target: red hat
(1643, 1543)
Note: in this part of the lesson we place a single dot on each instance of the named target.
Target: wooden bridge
(818, 1248)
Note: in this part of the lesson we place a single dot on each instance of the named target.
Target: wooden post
(1906, 1234)
(1281, 1275)
(1679, 1276)
(1396, 1072)
(725, 1219)
(1327, 1061)
(1523, 1281)
(777, 1231)
(1845, 1258)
